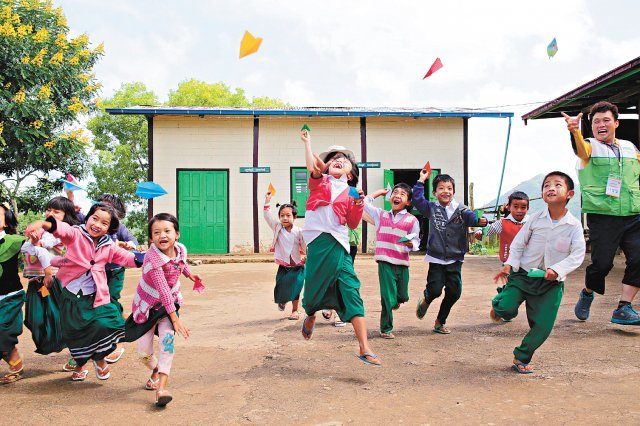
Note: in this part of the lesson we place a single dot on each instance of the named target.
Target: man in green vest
(609, 173)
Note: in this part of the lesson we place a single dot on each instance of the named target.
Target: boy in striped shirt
(392, 254)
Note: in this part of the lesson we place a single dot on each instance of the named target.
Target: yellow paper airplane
(249, 44)
(271, 190)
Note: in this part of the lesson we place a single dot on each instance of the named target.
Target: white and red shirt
(287, 246)
(329, 209)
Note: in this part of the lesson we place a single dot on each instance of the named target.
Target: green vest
(594, 176)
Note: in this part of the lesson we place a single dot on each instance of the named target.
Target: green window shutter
(300, 188)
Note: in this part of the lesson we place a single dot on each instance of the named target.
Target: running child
(551, 241)
(39, 250)
(331, 282)
(392, 255)
(507, 227)
(157, 300)
(11, 295)
(289, 250)
(447, 244)
(91, 324)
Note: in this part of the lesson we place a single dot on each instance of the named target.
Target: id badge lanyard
(614, 183)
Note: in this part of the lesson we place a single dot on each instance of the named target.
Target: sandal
(79, 376)
(521, 367)
(369, 358)
(114, 356)
(163, 397)
(11, 378)
(441, 329)
(326, 314)
(70, 366)
(388, 335)
(305, 332)
(152, 384)
(295, 316)
(100, 371)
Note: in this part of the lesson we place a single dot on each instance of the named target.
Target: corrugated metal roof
(309, 111)
(620, 86)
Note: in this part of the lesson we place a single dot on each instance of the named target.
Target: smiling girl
(91, 323)
(157, 300)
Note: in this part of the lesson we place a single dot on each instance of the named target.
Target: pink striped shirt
(159, 284)
(387, 236)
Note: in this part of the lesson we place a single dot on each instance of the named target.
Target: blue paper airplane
(353, 192)
(149, 190)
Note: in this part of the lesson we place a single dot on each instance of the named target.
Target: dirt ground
(246, 363)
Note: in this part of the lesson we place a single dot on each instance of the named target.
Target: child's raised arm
(419, 201)
(266, 211)
(314, 164)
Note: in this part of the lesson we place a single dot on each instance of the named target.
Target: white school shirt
(450, 210)
(48, 241)
(375, 213)
(543, 244)
(496, 227)
(324, 219)
(287, 247)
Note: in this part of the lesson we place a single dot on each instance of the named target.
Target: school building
(216, 163)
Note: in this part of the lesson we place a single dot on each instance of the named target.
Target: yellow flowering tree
(46, 82)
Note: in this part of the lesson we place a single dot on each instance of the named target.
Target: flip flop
(119, 353)
(163, 397)
(11, 377)
(70, 366)
(307, 333)
(100, 374)
(326, 314)
(152, 384)
(365, 358)
(516, 366)
(441, 329)
(79, 376)
(295, 316)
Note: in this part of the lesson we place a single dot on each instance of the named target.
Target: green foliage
(199, 93)
(477, 249)
(136, 223)
(26, 218)
(45, 82)
(121, 145)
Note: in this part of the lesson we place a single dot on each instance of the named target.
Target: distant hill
(531, 187)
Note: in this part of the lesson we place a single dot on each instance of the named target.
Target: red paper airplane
(437, 64)
(427, 167)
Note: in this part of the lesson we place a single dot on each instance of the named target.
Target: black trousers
(449, 278)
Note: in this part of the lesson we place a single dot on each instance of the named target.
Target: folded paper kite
(479, 214)
(249, 44)
(437, 64)
(536, 273)
(427, 167)
(387, 196)
(71, 184)
(552, 48)
(198, 287)
(305, 127)
(44, 291)
(149, 190)
(353, 192)
(271, 190)
(406, 238)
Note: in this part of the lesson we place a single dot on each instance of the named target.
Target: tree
(199, 93)
(121, 144)
(45, 83)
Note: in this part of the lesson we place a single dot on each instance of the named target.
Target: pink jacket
(320, 195)
(159, 283)
(82, 256)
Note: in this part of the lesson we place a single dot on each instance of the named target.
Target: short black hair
(518, 195)
(405, 188)
(116, 203)
(443, 178)
(65, 205)
(292, 206)
(566, 177)
(168, 217)
(603, 106)
(115, 222)
(355, 171)
(10, 220)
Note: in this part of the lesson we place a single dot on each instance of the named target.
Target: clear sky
(374, 53)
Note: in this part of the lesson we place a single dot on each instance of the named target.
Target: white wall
(182, 142)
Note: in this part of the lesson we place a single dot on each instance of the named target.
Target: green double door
(203, 210)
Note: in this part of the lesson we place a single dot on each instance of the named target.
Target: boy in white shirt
(552, 240)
